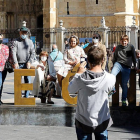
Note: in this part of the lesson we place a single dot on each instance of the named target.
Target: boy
(92, 86)
(123, 57)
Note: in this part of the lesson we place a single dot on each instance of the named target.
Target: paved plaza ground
(22, 132)
(31, 132)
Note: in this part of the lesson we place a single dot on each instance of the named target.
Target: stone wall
(61, 115)
(87, 13)
(18, 11)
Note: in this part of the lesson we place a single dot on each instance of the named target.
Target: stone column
(2, 20)
(60, 36)
(134, 34)
(49, 21)
(104, 31)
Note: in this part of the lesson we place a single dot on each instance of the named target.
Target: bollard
(131, 95)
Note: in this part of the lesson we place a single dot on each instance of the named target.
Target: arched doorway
(40, 21)
(39, 37)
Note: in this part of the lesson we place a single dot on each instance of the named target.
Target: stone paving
(32, 132)
(23, 132)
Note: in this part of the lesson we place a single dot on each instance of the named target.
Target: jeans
(125, 73)
(27, 79)
(2, 79)
(81, 135)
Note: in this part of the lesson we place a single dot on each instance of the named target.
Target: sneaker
(124, 103)
(50, 102)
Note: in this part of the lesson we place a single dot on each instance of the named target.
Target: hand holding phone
(82, 59)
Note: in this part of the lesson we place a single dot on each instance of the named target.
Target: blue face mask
(23, 36)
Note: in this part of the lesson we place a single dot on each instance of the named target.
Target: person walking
(96, 41)
(23, 53)
(4, 54)
(93, 86)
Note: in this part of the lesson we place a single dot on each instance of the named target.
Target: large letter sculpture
(18, 86)
(65, 83)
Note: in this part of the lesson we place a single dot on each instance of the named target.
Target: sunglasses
(95, 37)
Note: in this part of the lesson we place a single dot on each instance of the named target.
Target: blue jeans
(81, 135)
(125, 73)
(2, 79)
(27, 79)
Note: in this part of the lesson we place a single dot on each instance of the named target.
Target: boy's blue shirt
(85, 45)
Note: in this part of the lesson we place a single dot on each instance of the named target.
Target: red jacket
(4, 54)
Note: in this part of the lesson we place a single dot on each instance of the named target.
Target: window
(96, 1)
(68, 8)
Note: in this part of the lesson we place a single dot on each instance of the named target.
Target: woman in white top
(43, 82)
(71, 57)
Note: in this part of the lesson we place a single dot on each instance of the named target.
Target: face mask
(95, 40)
(1, 41)
(43, 58)
(23, 36)
(95, 45)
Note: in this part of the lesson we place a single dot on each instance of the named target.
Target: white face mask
(43, 58)
(95, 40)
(95, 45)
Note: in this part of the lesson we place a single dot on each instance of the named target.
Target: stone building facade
(89, 12)
(74, 13)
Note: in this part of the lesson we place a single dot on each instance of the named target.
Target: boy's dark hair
(65, 39)
(124, 37)
(95, 56)
(74, 36)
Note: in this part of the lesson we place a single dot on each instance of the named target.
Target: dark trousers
(3, 75)
(27, 79)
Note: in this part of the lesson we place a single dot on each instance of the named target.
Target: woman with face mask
(43, 85)
(96, 41)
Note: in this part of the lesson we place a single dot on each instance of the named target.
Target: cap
(24, 29)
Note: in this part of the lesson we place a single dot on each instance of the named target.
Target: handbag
(8, 67)
(56, 56)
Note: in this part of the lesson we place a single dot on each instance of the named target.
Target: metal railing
(114, 33)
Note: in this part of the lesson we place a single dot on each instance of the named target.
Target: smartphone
(82, 59)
